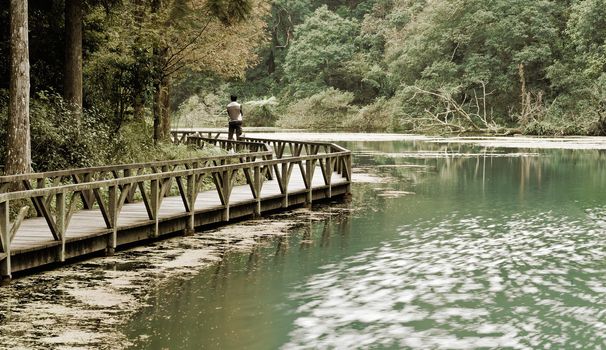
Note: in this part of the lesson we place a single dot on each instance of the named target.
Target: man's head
(234, 97)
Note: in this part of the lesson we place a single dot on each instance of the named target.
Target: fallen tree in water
(471, 115)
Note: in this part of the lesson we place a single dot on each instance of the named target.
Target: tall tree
(322, 46)
(149, 45)
(73, 54)
(18, 156)
(201, 35)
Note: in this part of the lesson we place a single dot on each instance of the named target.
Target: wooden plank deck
(34, 235)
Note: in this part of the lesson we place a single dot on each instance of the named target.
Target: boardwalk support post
(113, 212)
(60, 204)
(192, 193)
(257, 191)
(5, 255)
(155, 205)
(284, 188)
(309, 172)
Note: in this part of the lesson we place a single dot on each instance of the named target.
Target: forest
(108, 78)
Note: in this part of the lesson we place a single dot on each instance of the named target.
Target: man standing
(234, 111)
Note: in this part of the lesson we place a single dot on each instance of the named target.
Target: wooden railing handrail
(260, 139)
(193, 133)
(159, 176)
(198, 134)
(106, 168)
(319, 143)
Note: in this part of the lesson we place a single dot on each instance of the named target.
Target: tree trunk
(18, 156)
(161, 110)
(271, 60)
(158, 59)
(165, 105)
(157, 113)
(73, 55)
(139, 106)
(139, 84)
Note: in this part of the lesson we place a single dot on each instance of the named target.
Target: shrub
(328, 109)
(381, 115)
(261, 112)
(134, 144)
(578, 113)
(57, 140)
(202, 111)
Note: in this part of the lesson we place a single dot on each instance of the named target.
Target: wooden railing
(293, 148)
(180, 136)
(246, 152)
(241, 145)
(280, 148)
(91, 174)
(58, 195)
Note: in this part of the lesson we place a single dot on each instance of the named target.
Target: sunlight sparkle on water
(450, 284)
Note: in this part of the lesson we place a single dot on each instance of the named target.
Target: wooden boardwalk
(132, 203)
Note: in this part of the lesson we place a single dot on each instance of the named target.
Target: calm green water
(496, 248)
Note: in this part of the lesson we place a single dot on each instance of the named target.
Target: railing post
(169, 183)
(88, 195)
(308, 177)
(60, 204)
(269, 170)
(226, 184)
(191, 196)
(5, 240)
(348, 169)
(328, 167)
(155, 205)
(113, 212)
(285, 185)
(257, 187)
(40, 183)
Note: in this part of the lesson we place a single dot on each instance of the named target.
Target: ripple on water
(465, 282)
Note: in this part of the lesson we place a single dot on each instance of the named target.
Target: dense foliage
(134, 52)
(449, 66)
(500, 66)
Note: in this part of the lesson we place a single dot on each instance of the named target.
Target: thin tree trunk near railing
(18, 144)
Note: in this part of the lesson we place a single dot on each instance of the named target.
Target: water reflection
(240, 294)
(475, 247)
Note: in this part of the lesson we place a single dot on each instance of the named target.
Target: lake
(446, 244)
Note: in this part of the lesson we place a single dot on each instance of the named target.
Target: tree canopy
(503, 66)
(134, 52)
(528, 66)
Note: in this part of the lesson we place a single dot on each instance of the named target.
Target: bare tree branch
(461, 118)
(178, 53)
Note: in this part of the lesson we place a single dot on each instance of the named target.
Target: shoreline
(515, 141)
